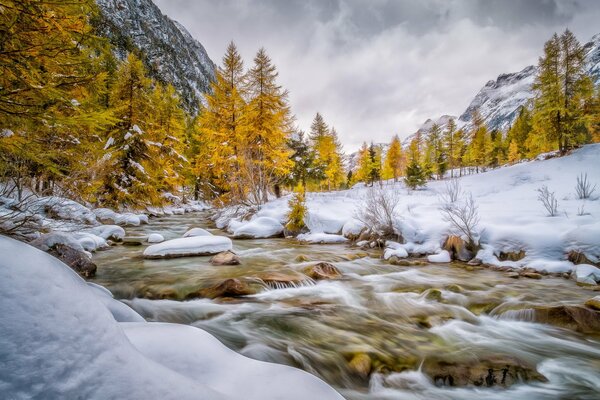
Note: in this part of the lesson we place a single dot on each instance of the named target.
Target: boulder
(261, 227)
(197, 232)
(577, 257)
(78, 260)
(190, 246)
(457, 248)
(531, 275)
(225, 258)
(322, 270)
(360, 364)
(155, 238)
(587, 274)
(283, 280)
(577, 318)
(594, 303)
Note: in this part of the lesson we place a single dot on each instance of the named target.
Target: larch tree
(268, 128)
(451, 146)
(562, 88)
(414, 176)
(329, 168)
(394, 160)
(520, 132)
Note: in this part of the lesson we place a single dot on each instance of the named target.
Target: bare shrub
(584, 188)
(452, 192)
(464, 218)
(378, 210)
(581, 210)
(548, 200)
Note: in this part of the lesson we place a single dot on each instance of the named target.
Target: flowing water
(411, 321)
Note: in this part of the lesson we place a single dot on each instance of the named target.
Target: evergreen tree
(450, 146)
(414, 176)
(394, 160)
(304, 159)
(520, 132)
(364, 167)
(375, 164)
(328, 153)
(435, 160)
(562, 88)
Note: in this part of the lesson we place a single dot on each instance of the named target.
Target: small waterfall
(525, 314)
(274, 285)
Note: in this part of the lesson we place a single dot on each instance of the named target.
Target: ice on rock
(442, 257)
(588, 274)
(155, 238)
(190, 246)
(197, 232)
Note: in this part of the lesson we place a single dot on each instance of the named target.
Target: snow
(323, 238)
(197, 232)
(113, 232)
(588, 274)
(399, 252)
(155, 238)
(61, 338)
(261, 227)
(511, 217)
(190, 246)
(81, 241)
(353, 227)
(441, 257)
(125, 219)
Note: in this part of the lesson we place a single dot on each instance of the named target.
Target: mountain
(498, 102)
(442, 122)
(168, 50)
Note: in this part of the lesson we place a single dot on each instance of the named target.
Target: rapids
(401, 317)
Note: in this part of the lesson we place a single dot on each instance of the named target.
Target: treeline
(564, 113)
(76, 121)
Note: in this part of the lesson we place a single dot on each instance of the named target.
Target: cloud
(382, 67)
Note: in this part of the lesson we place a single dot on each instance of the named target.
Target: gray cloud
(381, 67)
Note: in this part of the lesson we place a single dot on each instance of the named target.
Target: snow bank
(322, 238)
(261, 227)
(59, 340)
(442, 257)
(353, 228)
(197, 232)
(190, 246)
(81, 241)
(109, 232)
(67, 210)
(107, 215)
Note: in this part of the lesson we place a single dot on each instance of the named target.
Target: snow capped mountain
(168, 50)
(498, 102)
(442, 122)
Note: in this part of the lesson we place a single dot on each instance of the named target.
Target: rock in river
(225, 258)
(190, 246)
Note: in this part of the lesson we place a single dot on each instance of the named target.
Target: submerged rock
(500, 372)
(577, 318)
(225, 258)
(231, 287)
(360, 364)
(322, 270)
(134, 241)
(78, 260)
(594, 303)
(511, 255)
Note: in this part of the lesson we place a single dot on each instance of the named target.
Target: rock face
(76, 259)
(225, 258)
(322, 270)
(170, 53)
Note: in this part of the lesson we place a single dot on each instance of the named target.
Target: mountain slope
(499, 101)
(169, 52)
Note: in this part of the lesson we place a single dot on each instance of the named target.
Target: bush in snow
(295, 218)
(464, 218)
(584, 188)
(378, 211)
(548, 199)
(452, 192)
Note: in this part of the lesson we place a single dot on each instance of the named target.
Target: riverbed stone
(493, 372)
(360, 364)
(531, 275)
(577, 257)
(231, 287)
(512, 255)
(77, 260)
(322, 271)
(225, 258)
(594, 303)
(574, 317)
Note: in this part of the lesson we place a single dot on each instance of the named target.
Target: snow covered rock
(155, 238)
(109, 232)
(353, 228)
(67, 210)
(442, 257)
(588, 274)
(190, 246)
(261, 227)
(197, 232)
(399, 252)
(79, 350)
(321, 238)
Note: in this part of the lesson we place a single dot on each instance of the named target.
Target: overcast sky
(375, 68)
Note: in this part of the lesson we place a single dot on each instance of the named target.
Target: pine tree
(414, 176)
(374, 163)
(435, 159)
(562, 88)
(450, 146)
(394, 160)
(304, 159)
(269, 126)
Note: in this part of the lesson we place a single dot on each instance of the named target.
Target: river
(410, 326)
